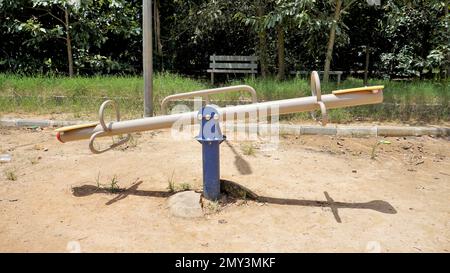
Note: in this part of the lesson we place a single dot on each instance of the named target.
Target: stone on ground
(185, 204)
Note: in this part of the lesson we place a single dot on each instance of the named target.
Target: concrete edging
(333, 130)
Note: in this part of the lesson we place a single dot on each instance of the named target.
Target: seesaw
(209, 117)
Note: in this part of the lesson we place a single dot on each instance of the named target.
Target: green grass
(248, 149)
(111, 187)
(83, 95)
(172, 186)
(11, 175)
(425, 101)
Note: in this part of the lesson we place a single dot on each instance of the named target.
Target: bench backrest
(234, 63)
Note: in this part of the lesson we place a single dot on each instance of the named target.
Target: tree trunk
(157, 30)
(68, 42)
(281, 58)
(262, 35)
(366, 68)
(157, 26)
(448, 29)
(329, 56)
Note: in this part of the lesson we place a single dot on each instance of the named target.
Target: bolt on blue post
(210, 137)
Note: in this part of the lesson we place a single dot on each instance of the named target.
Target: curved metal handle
(315, 85)
(316, 92)
(205, 94)
(101, 114)
(114, 145)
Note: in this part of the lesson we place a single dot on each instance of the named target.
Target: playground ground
(321, 194)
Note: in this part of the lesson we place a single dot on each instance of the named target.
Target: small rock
(222, 221)
(45, 149)
(185, 204)
(5, 158)
(354, 171)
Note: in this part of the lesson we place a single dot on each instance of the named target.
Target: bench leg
(339, 79)
(212, 78)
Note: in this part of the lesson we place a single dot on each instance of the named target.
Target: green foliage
(406, 38)
(36, 33)
(419, 36)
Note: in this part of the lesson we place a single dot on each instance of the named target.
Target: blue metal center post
(210, 137)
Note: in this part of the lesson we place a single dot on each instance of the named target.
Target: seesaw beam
(287, 106)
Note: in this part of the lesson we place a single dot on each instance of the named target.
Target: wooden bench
(303, 72)
(232, 64)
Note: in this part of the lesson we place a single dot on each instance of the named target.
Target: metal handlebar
(106, 129)
(316, 92)
(206, 92)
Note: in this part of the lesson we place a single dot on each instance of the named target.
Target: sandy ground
(321, 194)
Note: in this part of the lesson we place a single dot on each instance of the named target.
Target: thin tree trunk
(366, 68)
(157, 30)
(329, 56)
(157, 26)
(281, 56)
(448, 29)
(262, 35)
(68, 42)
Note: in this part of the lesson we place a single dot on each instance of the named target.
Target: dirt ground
(319, 193)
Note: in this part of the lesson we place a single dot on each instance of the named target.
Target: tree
(66, 7)
(262, 37)
(157, 29)
(339, 8)
(418, 36)
(284, 16)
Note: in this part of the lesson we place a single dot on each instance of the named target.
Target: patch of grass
(213, 207)
(97, 181)
(111, 187)
(133, 142)
(173, 187)
(184, 187)
(80, 97)
(248, 149)
(375, 146)
(171, 183)
(11, 175)
(114, 185)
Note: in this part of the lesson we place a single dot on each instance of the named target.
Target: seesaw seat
(78, 126)
(358, 89)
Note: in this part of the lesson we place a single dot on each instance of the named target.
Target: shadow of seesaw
(86, 190)
(376, 205)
